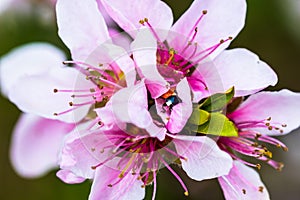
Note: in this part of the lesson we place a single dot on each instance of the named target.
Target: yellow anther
(258, 166)
(121, 175)
(186, 193)
(171, 53)
(142, 22)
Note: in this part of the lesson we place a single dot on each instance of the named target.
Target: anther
(244, 191)
(186, 193)
(109, 185)
(55, 90)
(142, 22)
(55, 114)
(280, 166)
(204, 12)
(261, 188)
(71, 103)
(258, 166)
(257, 136)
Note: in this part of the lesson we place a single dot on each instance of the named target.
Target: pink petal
(223, 19)
(245, 71)
(243, 183)
(30, 59)
(204, 158)
(130, 105)
(181, 112)
(144, 49)
(109, 21)
(82, 150)
(127, 15)
(81, 26)
(155, 131)
(128, 188)
(110, 54)
(121, 39)
(197, 85)
(35, 145)
(281, 106)
(35, 94)
(68, 177)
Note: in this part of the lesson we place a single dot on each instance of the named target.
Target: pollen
(258, 166)
(261, 188)
(186, 193)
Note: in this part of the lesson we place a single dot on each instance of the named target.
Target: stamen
(107, 159)
(106, 81)
(186, 193)
(209, 50)
(154, 186)
(172, 152)
(81, 104)
(64, 112)
(194, 29)
(171, 53)
(121, 175)
(72, 91)
(153, 32)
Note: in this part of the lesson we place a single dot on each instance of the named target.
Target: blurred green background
(271, 31)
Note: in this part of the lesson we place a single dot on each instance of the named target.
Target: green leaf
(199, 117)
(217, 101)
(218, 124)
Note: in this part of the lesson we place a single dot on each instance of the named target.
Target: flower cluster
(157, 95)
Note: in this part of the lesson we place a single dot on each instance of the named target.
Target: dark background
(270, 32)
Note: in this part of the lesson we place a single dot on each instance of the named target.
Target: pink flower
(193, 47)
(260, 117)
(68, 93)
(133, 144)
(121, 162)
(36, 141)
(126, 103)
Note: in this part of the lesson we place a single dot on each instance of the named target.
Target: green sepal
(199, 117)
(219, 125)
(217, 101)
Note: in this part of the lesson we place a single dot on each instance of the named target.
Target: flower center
(105, 81)
(176, 63)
